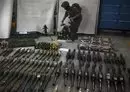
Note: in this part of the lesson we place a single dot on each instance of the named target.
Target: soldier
(74, 14)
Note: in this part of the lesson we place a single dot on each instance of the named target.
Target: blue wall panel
(115, 14)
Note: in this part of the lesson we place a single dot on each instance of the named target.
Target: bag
(77, 6)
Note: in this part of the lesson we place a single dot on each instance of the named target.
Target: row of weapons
(112, 76)
(108, 58)
(26, 70)
(31, 54)
(30, 71)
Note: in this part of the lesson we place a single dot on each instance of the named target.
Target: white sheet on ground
(34, 14)
(90, 9)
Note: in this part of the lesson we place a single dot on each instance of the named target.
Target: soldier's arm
(65, 16)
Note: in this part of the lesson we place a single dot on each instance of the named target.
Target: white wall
(6, 7)
(33, 14)
(90, 9)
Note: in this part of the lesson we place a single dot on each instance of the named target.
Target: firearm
(89, 56)
(121, 80)
(79, 55)
(72, 74)
(12, 81)
(39, 78)
(122, 60)
(19, 82)
(100, 78)
(27, 79)
(34, 55)
(48, 77)
(106, 58)
(5, 75)
(55, 89)
(22, 51)
(30, 79)
(94, 57)
(4, 52)
(20, 76)
(50, 55)
(11, 76)
(65, 75)
(73, 54)
(115, 79)
(43, 77)
(68, 55)
(29, 53)
(128, 70)
(86, 75)
(4, 63)
(84, 57)
(58, 55)
(80, 90)
(2, 72)
(8, 52)
(99, 58)
(16, 52)
(57, 73)
(108, 80)
(93, 77)
(116, 59)
(79, 78)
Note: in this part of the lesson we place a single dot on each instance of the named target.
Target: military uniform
(74, 23)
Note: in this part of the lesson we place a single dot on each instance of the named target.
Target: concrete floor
(120, 42)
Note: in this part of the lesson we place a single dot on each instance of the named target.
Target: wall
(6, 7)
(33, 14)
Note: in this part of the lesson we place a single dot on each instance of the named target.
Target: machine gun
(73, 54)
(48, 77)
(72, 74)
(100, 78)
(122, 60)
(57, 73)
(108, 80)
(106, 58)
(121, 80)
(115, 79)
(11, 76)
(68, 55)
(89, 56)
(79, 55)
(93, 77)
(25, 82)
(20, 75)
(79, 78)
(30, 80)
(8, 52)
(99, 58)
(66, 75)
(86, 75)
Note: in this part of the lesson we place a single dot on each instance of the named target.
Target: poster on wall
(35, 15)
(6, 8)
(86, 23)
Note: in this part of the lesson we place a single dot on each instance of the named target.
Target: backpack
(77, 6)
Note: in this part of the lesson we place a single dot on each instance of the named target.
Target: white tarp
(6, 7)
(90, 9)
(34, 14)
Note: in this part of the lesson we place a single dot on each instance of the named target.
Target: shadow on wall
(39, 29)
(85, 20)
